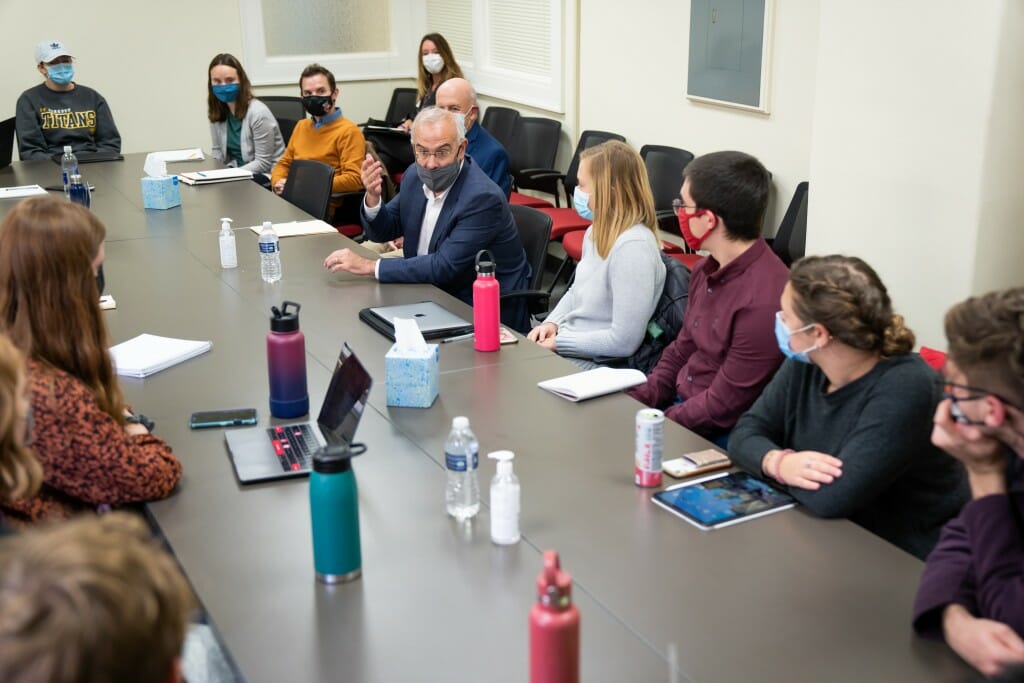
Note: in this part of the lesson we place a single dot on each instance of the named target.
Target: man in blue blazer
(458, 96)
(447, 211)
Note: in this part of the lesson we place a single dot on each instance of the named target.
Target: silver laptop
(435, 321)
(284, 451)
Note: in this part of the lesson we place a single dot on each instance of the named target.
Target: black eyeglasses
(973, 394)
(678, 205)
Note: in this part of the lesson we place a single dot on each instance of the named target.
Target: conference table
(781, 598)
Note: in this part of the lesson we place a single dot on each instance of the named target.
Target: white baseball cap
(49, 50)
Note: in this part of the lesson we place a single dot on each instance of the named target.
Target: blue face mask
(580, 201)
(226, 93)
(61, 74)
(783, 335)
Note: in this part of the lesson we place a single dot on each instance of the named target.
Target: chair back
(283, 107)
(402, 106)
(534, 232)
(791, 238)
(286, 126)
(309, 186)
(665, 172)
(501, 123)
(534, 144)
(588, 138)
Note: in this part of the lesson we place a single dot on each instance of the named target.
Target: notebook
(435, 321)
(220, 175)
(286, 451)
(6, 142)
(148, 354)
(592, 383)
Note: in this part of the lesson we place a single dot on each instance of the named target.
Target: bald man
(458, 96)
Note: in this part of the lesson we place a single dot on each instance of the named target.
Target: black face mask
(317, 104)
(100, 280)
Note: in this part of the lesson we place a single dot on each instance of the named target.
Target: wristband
(141, 419)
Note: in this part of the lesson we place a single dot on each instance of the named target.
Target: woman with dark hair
(845, 424)
(245, 134)
(93, 450)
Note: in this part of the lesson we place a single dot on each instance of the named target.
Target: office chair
(791, 237)
(534, 232)
(665, 167)
(534, 146)
(501, 123)
(402, 105)
(283, 107)
(309, 186)
(548, 179)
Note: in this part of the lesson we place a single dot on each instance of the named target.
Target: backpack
(667, 320)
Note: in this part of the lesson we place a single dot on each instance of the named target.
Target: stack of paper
(148, 354)
(20, 191)
(313, 227)
(194, 154)
(221, 175)
(583, 385)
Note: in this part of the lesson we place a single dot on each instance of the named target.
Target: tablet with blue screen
(723, 499)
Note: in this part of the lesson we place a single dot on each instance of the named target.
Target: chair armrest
(538, 173)
(533, 294)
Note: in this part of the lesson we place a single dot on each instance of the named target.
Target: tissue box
(161, 193)
(411, 379)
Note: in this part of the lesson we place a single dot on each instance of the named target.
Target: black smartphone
(222, 418)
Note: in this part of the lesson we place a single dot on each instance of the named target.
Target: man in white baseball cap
(60, 112)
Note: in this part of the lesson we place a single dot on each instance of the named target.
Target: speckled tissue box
(411, 379)
(161, 193)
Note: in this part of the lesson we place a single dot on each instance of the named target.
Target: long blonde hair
(20, 472)
(621, 193)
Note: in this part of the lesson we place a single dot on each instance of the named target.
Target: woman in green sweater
(845, 424)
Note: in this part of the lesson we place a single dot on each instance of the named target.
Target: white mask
(433, 62)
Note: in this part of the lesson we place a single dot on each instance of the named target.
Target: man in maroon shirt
(972, 589)
(726, 351)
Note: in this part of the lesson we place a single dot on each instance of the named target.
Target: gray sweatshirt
(47, 120)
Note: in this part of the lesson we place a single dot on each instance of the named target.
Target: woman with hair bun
(845, 424)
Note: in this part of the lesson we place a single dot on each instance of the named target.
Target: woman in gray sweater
(245, 134)
(845, 424)
(620, 275)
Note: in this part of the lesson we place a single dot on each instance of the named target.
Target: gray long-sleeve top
(895, 483)
(47, 120)
(261, 141)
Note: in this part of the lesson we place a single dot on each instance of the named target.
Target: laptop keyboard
(294, 445)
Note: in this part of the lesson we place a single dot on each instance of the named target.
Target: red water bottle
(486, 305)
(554, 627)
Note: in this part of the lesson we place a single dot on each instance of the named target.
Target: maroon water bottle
(554, 627)
(286, 363)
(486, 305)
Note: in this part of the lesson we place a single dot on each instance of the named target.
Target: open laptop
(434, 320)
(6, 142)
(89, 157)
(284, 451)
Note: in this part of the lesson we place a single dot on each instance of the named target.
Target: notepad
(592, 383)
(295, 228)
(193, 154)
(148, 354)
(20, 191)
(220, 175)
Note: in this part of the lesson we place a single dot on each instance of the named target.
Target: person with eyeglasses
(60, 112)
(844, 425)
(972, 590)
(724, 354)
(446, 212)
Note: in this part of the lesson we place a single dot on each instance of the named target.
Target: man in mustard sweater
(328, 137)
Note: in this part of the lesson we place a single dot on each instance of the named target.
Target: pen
(200, 173)
(460, 337)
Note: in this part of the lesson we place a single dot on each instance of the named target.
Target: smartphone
(222, 418)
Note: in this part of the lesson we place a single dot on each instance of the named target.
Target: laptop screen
(345, 400)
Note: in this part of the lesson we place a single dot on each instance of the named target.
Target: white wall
(633, 66)
(916, 150)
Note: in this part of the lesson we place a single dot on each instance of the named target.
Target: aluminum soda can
(650, 438)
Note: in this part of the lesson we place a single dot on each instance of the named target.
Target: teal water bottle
(334, 508)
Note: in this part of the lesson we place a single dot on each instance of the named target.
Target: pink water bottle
(486, 304)
(554, 627)
(286, 363)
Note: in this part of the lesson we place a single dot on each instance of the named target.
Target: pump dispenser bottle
(228, 253)
(504, 501)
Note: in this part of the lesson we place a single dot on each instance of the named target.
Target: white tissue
(408, 338)
(155, 167)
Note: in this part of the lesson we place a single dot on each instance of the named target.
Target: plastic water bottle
(78, 190)
(270, 253)
(68, 167)
(461, 455)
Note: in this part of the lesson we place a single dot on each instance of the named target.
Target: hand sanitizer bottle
(228, 253)
(504, 501)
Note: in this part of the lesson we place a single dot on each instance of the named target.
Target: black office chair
(287, 110)
(402, 105)
(665, 172)
(501, 123)
(534, 145)
(309, 186)
(286, 126)
(548, 179)
(534, 232)
(791, 238)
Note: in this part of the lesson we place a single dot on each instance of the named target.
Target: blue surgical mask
(580, 202)
(61, 74)
(226, 93)
(783, 335)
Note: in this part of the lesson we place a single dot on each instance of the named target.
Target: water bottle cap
(460, 422)
(485, 266)
(284, 320)
(75, 179)
(336, 458)
(554, 586)
(67, 149)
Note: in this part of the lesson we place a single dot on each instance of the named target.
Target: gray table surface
(781, 598)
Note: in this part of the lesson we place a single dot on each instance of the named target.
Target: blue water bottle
(334, 510)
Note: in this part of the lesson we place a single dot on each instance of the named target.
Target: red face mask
(692, 241)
